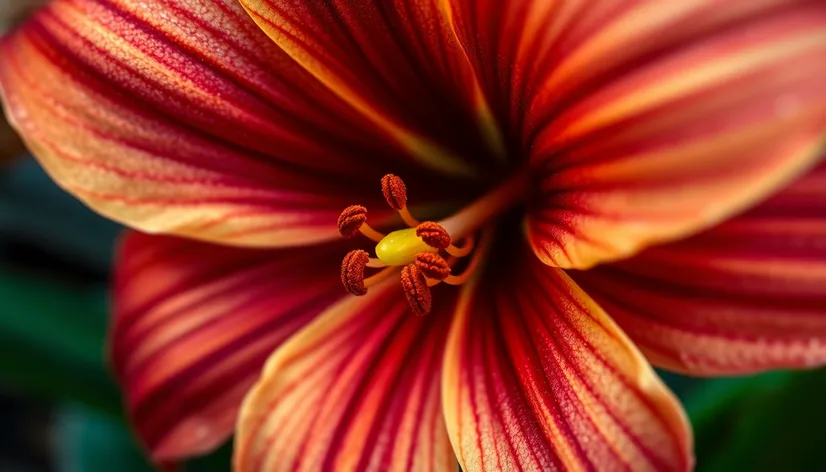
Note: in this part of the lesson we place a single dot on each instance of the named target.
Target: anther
(354, 220)
(416, 289)
(352, 271)
(433, 235)
(395, 192)
(351, 219)
(432, 265)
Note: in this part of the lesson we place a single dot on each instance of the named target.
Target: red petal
(194, 324)
(181, 116)
(399, 64)
(356, 390)
(650, 120)
(538, 377)
(746, 296)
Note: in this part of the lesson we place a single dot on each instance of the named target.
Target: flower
(621, 183)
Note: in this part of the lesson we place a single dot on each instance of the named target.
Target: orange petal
(648, 120)
(356, 390)
(746, 296)
(400, 65)
(194, 324)
(683, 139)
(181, 116)
(538, 377)
(535, 57)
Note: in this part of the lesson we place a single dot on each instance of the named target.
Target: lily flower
(541, 200)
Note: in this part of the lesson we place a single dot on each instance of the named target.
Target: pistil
(426, 251)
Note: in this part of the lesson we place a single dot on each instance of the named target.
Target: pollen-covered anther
(432, 265)
(395, 192)
(351, 219)
(433, 234)
(354, 220)
(352, 271)
(416, 289)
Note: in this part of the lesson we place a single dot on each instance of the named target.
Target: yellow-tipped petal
(358, 390)
(538, 377)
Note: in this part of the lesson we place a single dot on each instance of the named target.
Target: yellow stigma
(401, 247)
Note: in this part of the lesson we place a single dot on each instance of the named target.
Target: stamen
(433, 235)
(416, 289)
(475, 261)
(417, 249)
(395, 193)
(464, 250)
(376, 263)
(354, 219)
(408, 218)
(432, 282)
(433, 266)
(352, 271)
(351, 219)
(464, 276)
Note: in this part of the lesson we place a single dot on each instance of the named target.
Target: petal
(194, 324)
(647, 120)
(746, 296)
(356, 390)
(538, 377)
(399, 63)
(183, 117)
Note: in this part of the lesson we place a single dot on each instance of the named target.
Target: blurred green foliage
(54, 335)
(769, 422)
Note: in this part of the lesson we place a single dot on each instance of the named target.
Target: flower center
(401, 247)
(426, 251)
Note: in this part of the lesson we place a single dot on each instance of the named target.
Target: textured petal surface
(184, 117)
(746, 296)
(356, 390)
(194, 324)
(400, 64)
(648, 120)
(538, 377)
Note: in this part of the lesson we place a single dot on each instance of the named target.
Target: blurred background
(60, 410)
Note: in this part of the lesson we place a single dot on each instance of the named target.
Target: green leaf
(768, 422)
(88, 441)
(53, 338)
